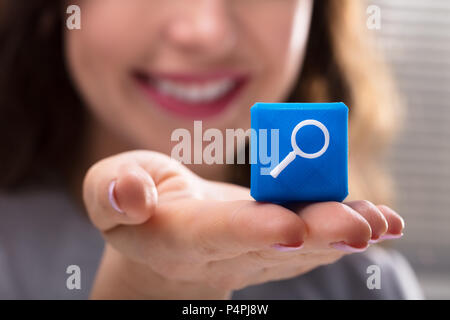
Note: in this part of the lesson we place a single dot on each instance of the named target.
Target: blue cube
(299, 152)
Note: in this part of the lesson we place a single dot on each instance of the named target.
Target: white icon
(296, 151)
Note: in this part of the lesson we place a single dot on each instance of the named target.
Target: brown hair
(42, 117)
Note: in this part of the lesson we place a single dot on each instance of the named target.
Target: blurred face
(147, 67)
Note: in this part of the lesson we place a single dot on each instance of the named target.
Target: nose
(203, 26)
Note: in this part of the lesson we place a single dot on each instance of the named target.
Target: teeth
(196, 93)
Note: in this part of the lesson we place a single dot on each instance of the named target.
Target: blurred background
(415, 38)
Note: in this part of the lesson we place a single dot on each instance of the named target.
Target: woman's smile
(192, 94)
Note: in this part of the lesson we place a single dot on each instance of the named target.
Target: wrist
(120, 278)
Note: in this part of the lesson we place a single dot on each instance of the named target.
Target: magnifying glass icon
(296, 151)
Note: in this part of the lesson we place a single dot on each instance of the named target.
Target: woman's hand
(180, 236)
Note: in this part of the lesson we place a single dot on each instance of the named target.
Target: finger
(348, 227)
(396, 224)
(331, 223)
(251, 225)
(265, 265)
(233, 227)
(377, 221)
(206, 230)
(118, 190)
(135, 193)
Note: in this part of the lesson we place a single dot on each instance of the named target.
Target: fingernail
(112, 197)
(388, 236)
(375, 240)
(347, 248)
(153, 195)
(287, 248)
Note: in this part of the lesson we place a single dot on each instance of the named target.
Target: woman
(76, 104)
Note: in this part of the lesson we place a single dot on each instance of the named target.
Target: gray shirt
(43, 232)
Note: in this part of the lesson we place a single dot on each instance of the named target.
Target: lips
(192, 95)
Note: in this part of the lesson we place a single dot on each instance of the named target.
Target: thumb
(119, 190)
